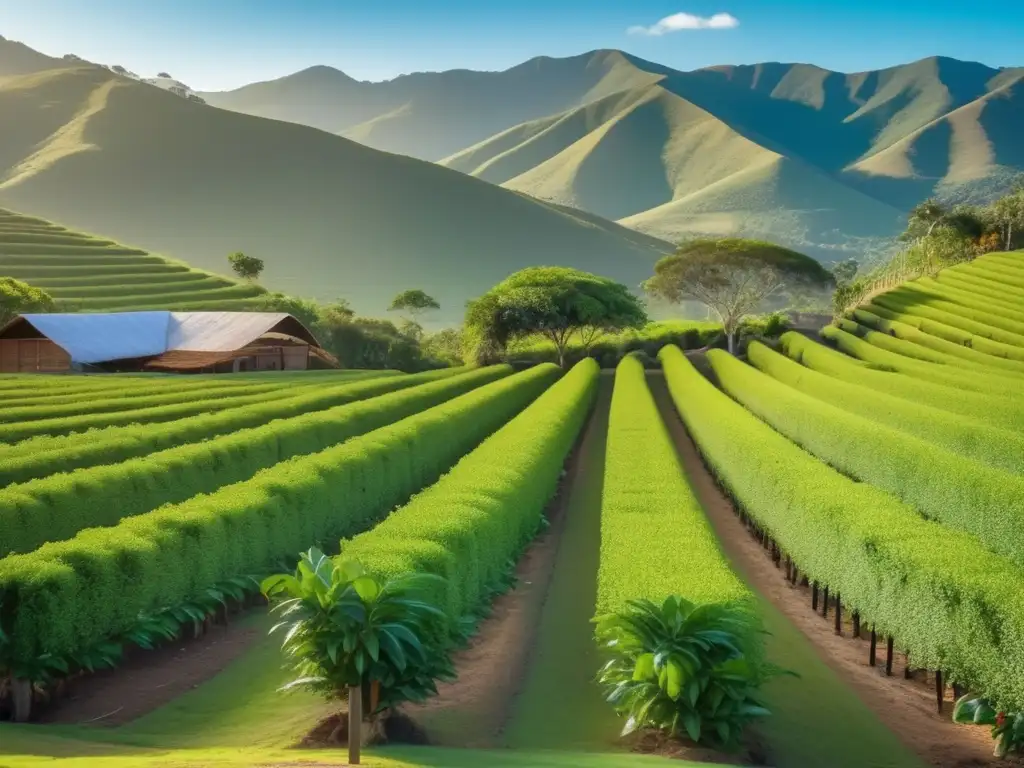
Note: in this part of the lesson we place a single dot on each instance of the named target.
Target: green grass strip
(928, 289)
(999, 447)
(989, 409)
(471, 526)
(988, 327)
(69, 595)
(937, 592)
(962, 494)
(59, 506)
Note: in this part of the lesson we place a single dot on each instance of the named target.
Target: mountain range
(449, 181)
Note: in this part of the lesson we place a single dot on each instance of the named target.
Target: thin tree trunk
(1009, 234)
(21, 700)
(730, 338)
(355, 723)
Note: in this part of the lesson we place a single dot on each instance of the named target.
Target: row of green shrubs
(961, 493)
(48, 454)
(940, 296)
(471, 526)
(996, 446)
(891, 354)
(941, 337)
(955, 291)
(945, 599)
(990, 409)
(68, 596)
(58, 506)
(113, 401)
(962, 319)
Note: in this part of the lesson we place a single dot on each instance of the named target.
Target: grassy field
(85, 273)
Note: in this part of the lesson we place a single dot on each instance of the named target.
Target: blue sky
(217, 44)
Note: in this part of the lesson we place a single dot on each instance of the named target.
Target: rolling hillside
(329, 217)
(85, 273)
(824, 161)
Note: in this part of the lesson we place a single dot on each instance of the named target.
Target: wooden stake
(355, 723)
(814, 596)
(856, 624)
(872, 654)
(839, 614)
(824, 607)
(940, 691)
(888, 657)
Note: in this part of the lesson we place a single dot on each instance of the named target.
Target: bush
(68, 596)
(650, 519)
(59, 506)
(470, 526)
(963, 494)
(950, 603)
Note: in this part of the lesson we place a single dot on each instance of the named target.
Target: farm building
(183, 342)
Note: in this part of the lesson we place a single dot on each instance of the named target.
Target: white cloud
(680, 21)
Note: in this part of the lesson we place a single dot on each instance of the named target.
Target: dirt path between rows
(907, 707)
(473, 710)
(146, 680)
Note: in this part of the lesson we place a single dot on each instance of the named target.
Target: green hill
(329, 217)
(85, 273)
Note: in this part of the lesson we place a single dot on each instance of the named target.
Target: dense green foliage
(992, 410)
(246, 267)
(47, 454)
(68, 596)
(346, 629)
(949, 602)
(996, 446)
(554, 302)
(649, 518)
(470, 526)
(58, 506)
(961, 493)
(18, 298)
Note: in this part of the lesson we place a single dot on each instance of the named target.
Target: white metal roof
(97, 338)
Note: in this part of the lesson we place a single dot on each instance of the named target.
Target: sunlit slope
(18, 59)
(86, 273)
(328, 216)
(431, 115)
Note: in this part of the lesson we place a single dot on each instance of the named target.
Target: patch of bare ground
(907, 706)
(147, 679)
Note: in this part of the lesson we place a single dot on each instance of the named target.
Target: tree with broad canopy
(18, 298)
(555, 302)
(732, 276)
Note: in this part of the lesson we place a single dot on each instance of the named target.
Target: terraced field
(874, 476)
(86, 273)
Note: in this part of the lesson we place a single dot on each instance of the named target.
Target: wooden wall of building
(32, 356)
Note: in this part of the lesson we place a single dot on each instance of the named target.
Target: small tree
(732, 277)
(555, 302)
(18, 298)
(1008, 213)
(352, 635)
(414, 303)
(163, 74)
(845, 271)
(246, 267)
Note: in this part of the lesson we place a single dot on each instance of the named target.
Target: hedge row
(960, 319)
(1008, 261)
(943, 338)
(936, 591)
(990, 409)
(655, 538)
(1007, 280)
(112, 402)
(930, 289)
(476, 520)
(908, 297)
(47, 455)
(959, 492)
(986, 286)
(59, 506)
(888, 353)
(172, 385)
(69, 595)
(999, 447)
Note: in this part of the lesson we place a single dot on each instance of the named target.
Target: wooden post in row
(814, 596)
(839, 614)
(940, 691)
(824, 607)
(888, 657)
(873, 653)
(907, 671)
(856, 624)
